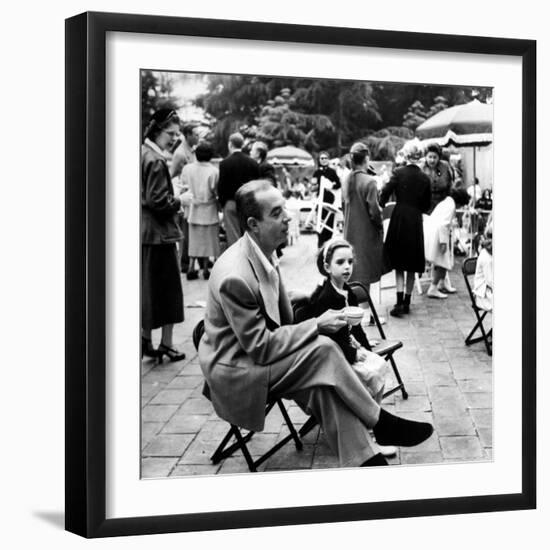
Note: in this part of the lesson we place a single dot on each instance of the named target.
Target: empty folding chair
(226, 448)
(468, 270)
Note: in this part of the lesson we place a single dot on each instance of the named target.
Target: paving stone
(156, 467)
(148, 431)
(191, 369)
(157, 413)
(431, 445)
(237, 465)
(183, 470)
(213, 429)
(476, 385)
(486, 436)
(470, 373)
(432, 355)
(288, 458)
(171, 397)
(325, 461)
(199, 452)
(199, 405)
(482, 400)
(261, 443)
(423, 457)
(186, 382)
(483, 418)
(454, 425)
(185, 424)
(416, 388)
(150, 389)
(461, 447)
(413, 403)
(168, 445)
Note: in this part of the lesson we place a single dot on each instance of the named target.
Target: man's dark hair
(204, 151)
(262, 149)
(188, 129)
(247, 203)
(236, 140)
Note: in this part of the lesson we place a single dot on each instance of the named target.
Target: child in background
(335, 262)
(483, 278)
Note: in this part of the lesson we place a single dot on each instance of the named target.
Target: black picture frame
(86, 274)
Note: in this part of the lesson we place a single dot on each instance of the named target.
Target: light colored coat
(201, 178)
(247, 328)
(438, 230)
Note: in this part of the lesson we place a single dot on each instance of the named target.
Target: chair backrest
(469, 269)
(362, 294)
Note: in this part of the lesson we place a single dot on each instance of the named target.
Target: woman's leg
(409, 285)
(166, 345)
(397, 309)
(192, 273)
(438, 274)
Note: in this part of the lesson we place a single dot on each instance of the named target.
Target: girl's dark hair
(359, 157)
(160, 120)
(434, 148)
(204, 151)
(325, 253)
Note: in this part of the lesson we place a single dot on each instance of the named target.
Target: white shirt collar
(154, 146)
(268, 264)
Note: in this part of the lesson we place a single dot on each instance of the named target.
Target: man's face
(323, 160)
(254, 153)
(271, 231)
(193, 137)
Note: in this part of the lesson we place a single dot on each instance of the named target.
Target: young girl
(335, 261)
(483, 278)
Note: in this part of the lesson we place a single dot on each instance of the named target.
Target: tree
(156, 93)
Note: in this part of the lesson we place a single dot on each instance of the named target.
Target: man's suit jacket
(235, 170)
(246, 330)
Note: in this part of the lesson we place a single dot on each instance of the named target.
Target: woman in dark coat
(161, 292)
(440, 173)
(404, 243)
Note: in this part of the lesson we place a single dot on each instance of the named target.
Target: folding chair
(385, 348)
(225, 449)
(327, 213)
(469, 269)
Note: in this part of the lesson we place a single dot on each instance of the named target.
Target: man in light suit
(250, 347)
(235, 170)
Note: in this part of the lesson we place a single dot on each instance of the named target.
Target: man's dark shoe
(192, 275)
(394, 430)
(376, 460)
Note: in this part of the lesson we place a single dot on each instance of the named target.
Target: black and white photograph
(316, 273)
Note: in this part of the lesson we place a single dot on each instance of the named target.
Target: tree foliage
(326, 114)
(156, 93)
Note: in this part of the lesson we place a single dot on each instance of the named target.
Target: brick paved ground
(449, 384)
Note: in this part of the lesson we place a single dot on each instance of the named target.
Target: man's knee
(328, 349)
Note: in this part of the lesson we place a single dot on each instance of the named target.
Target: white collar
(268, 264)
(154, 146)
(342, 292)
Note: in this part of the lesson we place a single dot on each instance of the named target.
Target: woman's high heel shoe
(172, 354)
(147, 348)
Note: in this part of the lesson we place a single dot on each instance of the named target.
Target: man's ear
(252, 224)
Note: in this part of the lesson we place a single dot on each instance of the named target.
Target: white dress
(438, 230)
(483, 281)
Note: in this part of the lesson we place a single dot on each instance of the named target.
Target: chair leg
(291, 428)
(484, 335)
(242, 444)
(400, 384)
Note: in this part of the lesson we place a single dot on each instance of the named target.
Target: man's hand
(331, 321)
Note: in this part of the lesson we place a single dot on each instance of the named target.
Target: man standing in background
(259, 154)
(235, 170)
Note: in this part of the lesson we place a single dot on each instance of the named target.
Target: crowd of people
(251, 347)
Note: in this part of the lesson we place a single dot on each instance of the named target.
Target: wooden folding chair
(468, 270)
(326, 213)
(386, 348)
(225, 449)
